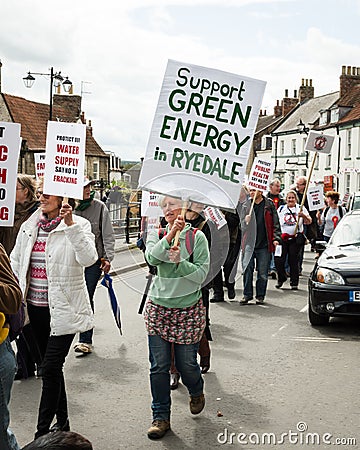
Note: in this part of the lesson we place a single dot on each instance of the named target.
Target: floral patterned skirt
(178, 325)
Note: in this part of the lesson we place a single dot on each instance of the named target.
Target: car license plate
(354, 296)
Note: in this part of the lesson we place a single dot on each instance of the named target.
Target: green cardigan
(177, 285)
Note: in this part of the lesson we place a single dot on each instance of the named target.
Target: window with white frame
(334, 117)
(282, 147)
(323, 117)
(96, 170)
(348, 144)
(126, 177)
(303, 145)
(328, 160)
(266, 141)
(293, 146)
(316, 163)
(347, 182)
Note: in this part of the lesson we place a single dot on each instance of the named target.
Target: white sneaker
(83, 348)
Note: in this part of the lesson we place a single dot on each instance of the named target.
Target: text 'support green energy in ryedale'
(201, 135)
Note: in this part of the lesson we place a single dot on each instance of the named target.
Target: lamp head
(29, 80)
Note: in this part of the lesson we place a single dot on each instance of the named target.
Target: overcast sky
(115, 53)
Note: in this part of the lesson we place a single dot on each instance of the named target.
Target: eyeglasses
(40, 193)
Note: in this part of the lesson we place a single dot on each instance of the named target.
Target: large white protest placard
(201, 135)
(39, 159)
(260, 175)
(10, 142)
(65, 158)
(317, 142)
(315, 197)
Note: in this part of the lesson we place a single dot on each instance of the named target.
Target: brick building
(33, 118)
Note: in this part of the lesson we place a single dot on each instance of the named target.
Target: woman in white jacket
(52, 249)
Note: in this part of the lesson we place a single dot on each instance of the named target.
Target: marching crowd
(54, 255)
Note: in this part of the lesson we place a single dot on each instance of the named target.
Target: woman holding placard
(51, 251)
(175, 312)
(292, 219)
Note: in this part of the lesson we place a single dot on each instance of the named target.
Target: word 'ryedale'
(66, 164)
(207, 100)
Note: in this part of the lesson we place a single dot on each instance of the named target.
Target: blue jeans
(7, 372)
(262, 257)
(160, 361)
(92, 276)
(272, 263)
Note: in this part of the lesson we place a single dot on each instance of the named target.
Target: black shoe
(294, 288)
(217, 299)
(21, 376)
(231, 293)
(245, 301)
(260, 300)
(272, 274)
(58, 427)
(279, 284)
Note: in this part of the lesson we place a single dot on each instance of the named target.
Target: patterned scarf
(83, 204)
(48, 224)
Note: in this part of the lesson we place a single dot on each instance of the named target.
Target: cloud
(122, 49)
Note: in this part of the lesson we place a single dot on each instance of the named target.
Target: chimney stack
(288, 103)
(70, 102)
(350, 77)
(306, 90)
(277, 109)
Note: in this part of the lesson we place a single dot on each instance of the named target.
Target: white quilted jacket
(69, 249)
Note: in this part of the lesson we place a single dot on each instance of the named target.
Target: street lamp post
(56, 79)
(303, 129)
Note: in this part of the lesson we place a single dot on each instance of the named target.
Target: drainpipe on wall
(276, 147)
(338, 159)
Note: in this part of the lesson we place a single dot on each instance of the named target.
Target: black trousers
(227, 269)
(291, 250)
(55, 349)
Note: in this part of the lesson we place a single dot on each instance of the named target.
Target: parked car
(353, 201)
(334, 283)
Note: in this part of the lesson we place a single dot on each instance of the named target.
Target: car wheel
(317, 319)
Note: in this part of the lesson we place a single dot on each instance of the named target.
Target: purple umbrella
(107, 282)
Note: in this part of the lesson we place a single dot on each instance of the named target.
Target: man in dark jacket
(261, 234)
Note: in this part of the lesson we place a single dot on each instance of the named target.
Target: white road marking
(280, 329)
(313, 339)
(304, 309)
